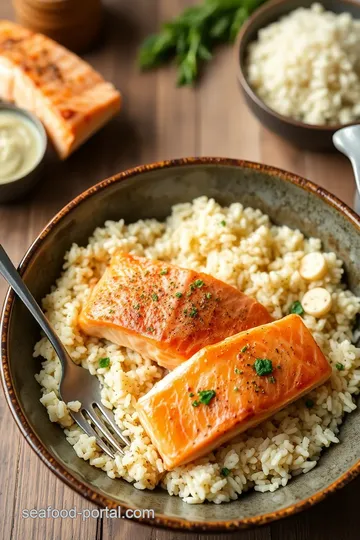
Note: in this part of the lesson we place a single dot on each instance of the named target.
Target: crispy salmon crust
(164, 312)
(244, 390)
(66, 93)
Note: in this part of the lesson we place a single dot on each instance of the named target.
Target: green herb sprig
(189, 39)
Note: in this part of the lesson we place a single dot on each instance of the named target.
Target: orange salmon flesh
(66, 93)
(184, 424)
(164, 312)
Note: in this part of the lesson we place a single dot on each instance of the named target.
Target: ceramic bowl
(17, 188)
(306, 136)
(150, 192)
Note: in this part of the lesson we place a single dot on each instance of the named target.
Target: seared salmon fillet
(226, 388)
(164, 312)
(69, 96)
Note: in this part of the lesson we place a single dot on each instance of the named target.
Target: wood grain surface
(158, 121)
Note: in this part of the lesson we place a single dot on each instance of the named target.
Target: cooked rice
(306, 66)
(239, 246)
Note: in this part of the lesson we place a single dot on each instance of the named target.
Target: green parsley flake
(223, 223)
(263, 366)
(339, 366)
(208, 295)
(297, 308)
(195, 403)
(191, 394)
(225, 471)
(198, 283)
(150, 329)
(309, 403)
(244, 349)
(155, 297)
(193, 313)
(104, 362)
(238, 371)
(111, 310)
(272, 379)
(164, 271)
(236, 388)
(178, 295)
(137, 306)
(206, 396)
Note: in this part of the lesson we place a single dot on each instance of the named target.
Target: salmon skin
(229, 387)
(69, 96)
(164, 312)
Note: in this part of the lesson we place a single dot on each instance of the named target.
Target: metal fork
(76, 382)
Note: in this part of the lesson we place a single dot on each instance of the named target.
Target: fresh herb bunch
(190, 38)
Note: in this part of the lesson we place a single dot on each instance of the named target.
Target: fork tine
(104, 430)
(89, 430)
(109, 417)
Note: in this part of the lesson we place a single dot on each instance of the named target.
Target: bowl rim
(39, 126)
(238, 48)
(85, 489)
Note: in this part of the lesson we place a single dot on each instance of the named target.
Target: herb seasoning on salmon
(166, 325)
(188, 435)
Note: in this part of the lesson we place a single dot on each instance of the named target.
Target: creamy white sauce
(20, 146)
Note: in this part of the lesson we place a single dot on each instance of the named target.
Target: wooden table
(158, 122)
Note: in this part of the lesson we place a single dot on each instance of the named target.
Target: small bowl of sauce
(23, 143)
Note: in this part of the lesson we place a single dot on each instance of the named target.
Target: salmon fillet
(226, 388)
(164, 312)
(69, 96)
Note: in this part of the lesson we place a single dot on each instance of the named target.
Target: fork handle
(11, 275)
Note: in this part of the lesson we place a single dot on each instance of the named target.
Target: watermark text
(87, 513)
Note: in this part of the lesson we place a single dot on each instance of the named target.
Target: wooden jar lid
(73, 23)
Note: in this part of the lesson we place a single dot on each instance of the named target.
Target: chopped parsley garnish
(272, 379)
(164, 271)
(137, 306)
(223, 223)
(278, 366)
(191, 394)
(225, 471)
(208, 295)
(238, 371)
(104, 362)
(263, 366)
(309, 403)
(236, 388)
(206, 396)
(339, 366)
(178, 295)
(111, 310)
(244, 349)
(296, 308)
(195, 403)
(155, 297)
(198, 283)
(150, 329)
(193, 312)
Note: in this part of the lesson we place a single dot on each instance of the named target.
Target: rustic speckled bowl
(147, 192)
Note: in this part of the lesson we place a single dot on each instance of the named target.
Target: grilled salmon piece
(164, 312)
(69, 96)
(226, 388)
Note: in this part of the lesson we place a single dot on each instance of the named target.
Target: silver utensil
(76, 382)
(347, 141)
